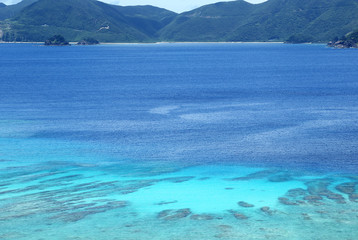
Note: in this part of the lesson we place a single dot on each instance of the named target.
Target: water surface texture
(178, 141)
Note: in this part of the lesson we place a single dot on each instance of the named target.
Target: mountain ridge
(9, 11)
(78, 19)
(273, 20)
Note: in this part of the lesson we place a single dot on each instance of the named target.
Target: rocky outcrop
(56, 40)
(342, 44)
(350, 40)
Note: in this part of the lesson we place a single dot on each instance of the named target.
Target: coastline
(122, 43)
(155, 43)
(194, 43)
(1, 42)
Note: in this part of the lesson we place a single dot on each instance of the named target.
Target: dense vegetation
(349, 40)
(78, 19)
(274, 20)
(56, 40)
(88, 41)
(300, 38)
(13, 10)
(294, 21)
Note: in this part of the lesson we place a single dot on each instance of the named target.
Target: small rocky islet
(57, 40)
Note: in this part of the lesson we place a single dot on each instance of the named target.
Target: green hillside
(147, 19)
(208, 23)
(77, 19)
(274, 20)
(13, 10)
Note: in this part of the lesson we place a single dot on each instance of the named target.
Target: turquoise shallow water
(64, 201)
(178, 141)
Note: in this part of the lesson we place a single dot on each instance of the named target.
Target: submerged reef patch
(238, 215)
(77, 196)
(174, 214)
(245, 204)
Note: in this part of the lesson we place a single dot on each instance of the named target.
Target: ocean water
(178, 141)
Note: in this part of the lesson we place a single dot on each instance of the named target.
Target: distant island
(290, 21)
(56, 40)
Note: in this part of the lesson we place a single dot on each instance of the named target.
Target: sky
(173, 5)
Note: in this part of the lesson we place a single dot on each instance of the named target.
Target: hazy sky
(174, 5)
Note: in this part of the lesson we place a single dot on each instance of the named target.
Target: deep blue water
(270, 104)
(178, 141)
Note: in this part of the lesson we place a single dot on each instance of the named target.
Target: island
(56, 40)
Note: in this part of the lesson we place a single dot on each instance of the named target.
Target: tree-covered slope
(340, 18)
(274, 20)
(147, 19)
(76, 19)
(208, 23)
(13, 10)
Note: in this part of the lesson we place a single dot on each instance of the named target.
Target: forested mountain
(274, 20)
(13, 10)
(77, 19)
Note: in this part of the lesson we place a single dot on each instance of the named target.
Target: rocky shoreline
(350, 40)
(341, 44)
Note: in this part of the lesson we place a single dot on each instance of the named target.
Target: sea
(178, 141)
